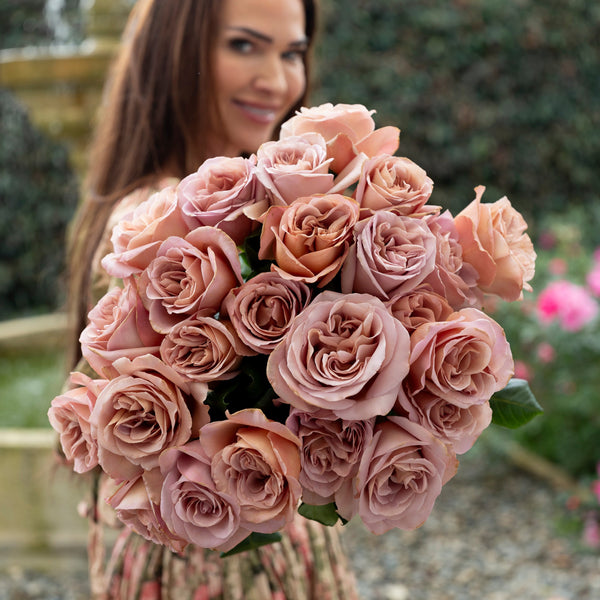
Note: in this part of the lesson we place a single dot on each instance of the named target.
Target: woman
(195, 79)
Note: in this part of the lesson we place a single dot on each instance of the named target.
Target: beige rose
(310, 238)
(494, 241)
(257, 462)
(419, 306)
(118, 326)
(263, 308)
(392, 254)
(348, 129)
(344, 353)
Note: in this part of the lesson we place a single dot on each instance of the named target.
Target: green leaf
(515, 405)
(254, 540)
(325, 514)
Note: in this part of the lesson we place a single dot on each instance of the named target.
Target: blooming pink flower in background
(522, 370)
(593, 279)
(557, 267)
(545, 352)
(569, 303)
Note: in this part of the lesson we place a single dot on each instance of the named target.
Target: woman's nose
(271, 76)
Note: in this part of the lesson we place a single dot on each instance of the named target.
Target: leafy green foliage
(515, 405)
(254, 540)
(325, 513)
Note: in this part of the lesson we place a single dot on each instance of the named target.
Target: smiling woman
(195, 79)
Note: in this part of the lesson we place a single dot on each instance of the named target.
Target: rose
(69, 415)
(571, 304)
(331, 451)
(343, 353)
(191, 276)
(118, 326)
(137, 238)
(257, 461)
(393, 183)
(218, 193)
(392, 254)
(420, 306)
(135, 509)
(348, 129)
(143, 411)
(202, 349)
(464, 360)
(451, 278)
(263, 308)
(310, 238)
(494, 241)
(191, 505)
(400, 476)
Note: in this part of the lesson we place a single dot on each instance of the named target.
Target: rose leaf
(514, 405)
(324, 514)
(254, 540)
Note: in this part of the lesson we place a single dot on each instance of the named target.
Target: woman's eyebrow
(265, 38)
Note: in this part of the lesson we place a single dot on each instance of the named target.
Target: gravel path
(491, 536)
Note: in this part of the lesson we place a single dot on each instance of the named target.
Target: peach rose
(464, 360)
(118, 326)
(191, 275)
(137, 237)
(391, 256)
(256, 461)
(310, 238)
(192, 506)
(69, 415)
(343, 353)
(218, 194)
(452, 278)
(393, 183)
(203, 349)
(143, 411)
(135, 509)
(400, 476)
(348, 129)
(331, 452)
(494, 241)
(263, 308)
(421, 305)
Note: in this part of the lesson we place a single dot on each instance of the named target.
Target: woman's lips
(265, 115)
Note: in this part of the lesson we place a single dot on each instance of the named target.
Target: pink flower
(522, 370)
(557, 266)
(310, 238)
(143, 411)
(593, 280)
(263, 308)
(69, 415)
(343, 353)
(420, 306)
(219, 193)
(257, 462)
(136, 239)
(545, 352)
(571, 304)
(494, 241)
(191, 275)
(391, 256)
(400, 476)
(118, 326)
(190, 503)
(348, 129)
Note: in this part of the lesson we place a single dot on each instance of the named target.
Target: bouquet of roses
(299, 330)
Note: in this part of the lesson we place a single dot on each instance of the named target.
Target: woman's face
(259, 70)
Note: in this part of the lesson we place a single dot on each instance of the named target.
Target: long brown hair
(156, 112)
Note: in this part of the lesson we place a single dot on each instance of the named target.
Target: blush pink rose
(331, 452)
(391, 255)
(69, 415)
(191, 276)
(263, 308)
(343, 353)
(451, 277)
(145, 410)
(133, 506)
(401, 474)
(256, 461)
(203, 349)
(219, 193)
(421, 305)
(137, 237)
(571, 304)
(310, 238)
(393, 183)
(494, 241)
(118, 326)
(192, 506)
(464, 360)
(348, 129)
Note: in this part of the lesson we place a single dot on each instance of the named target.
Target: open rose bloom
(301, 327)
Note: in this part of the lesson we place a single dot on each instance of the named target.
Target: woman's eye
(241, 45)
(294, 55)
